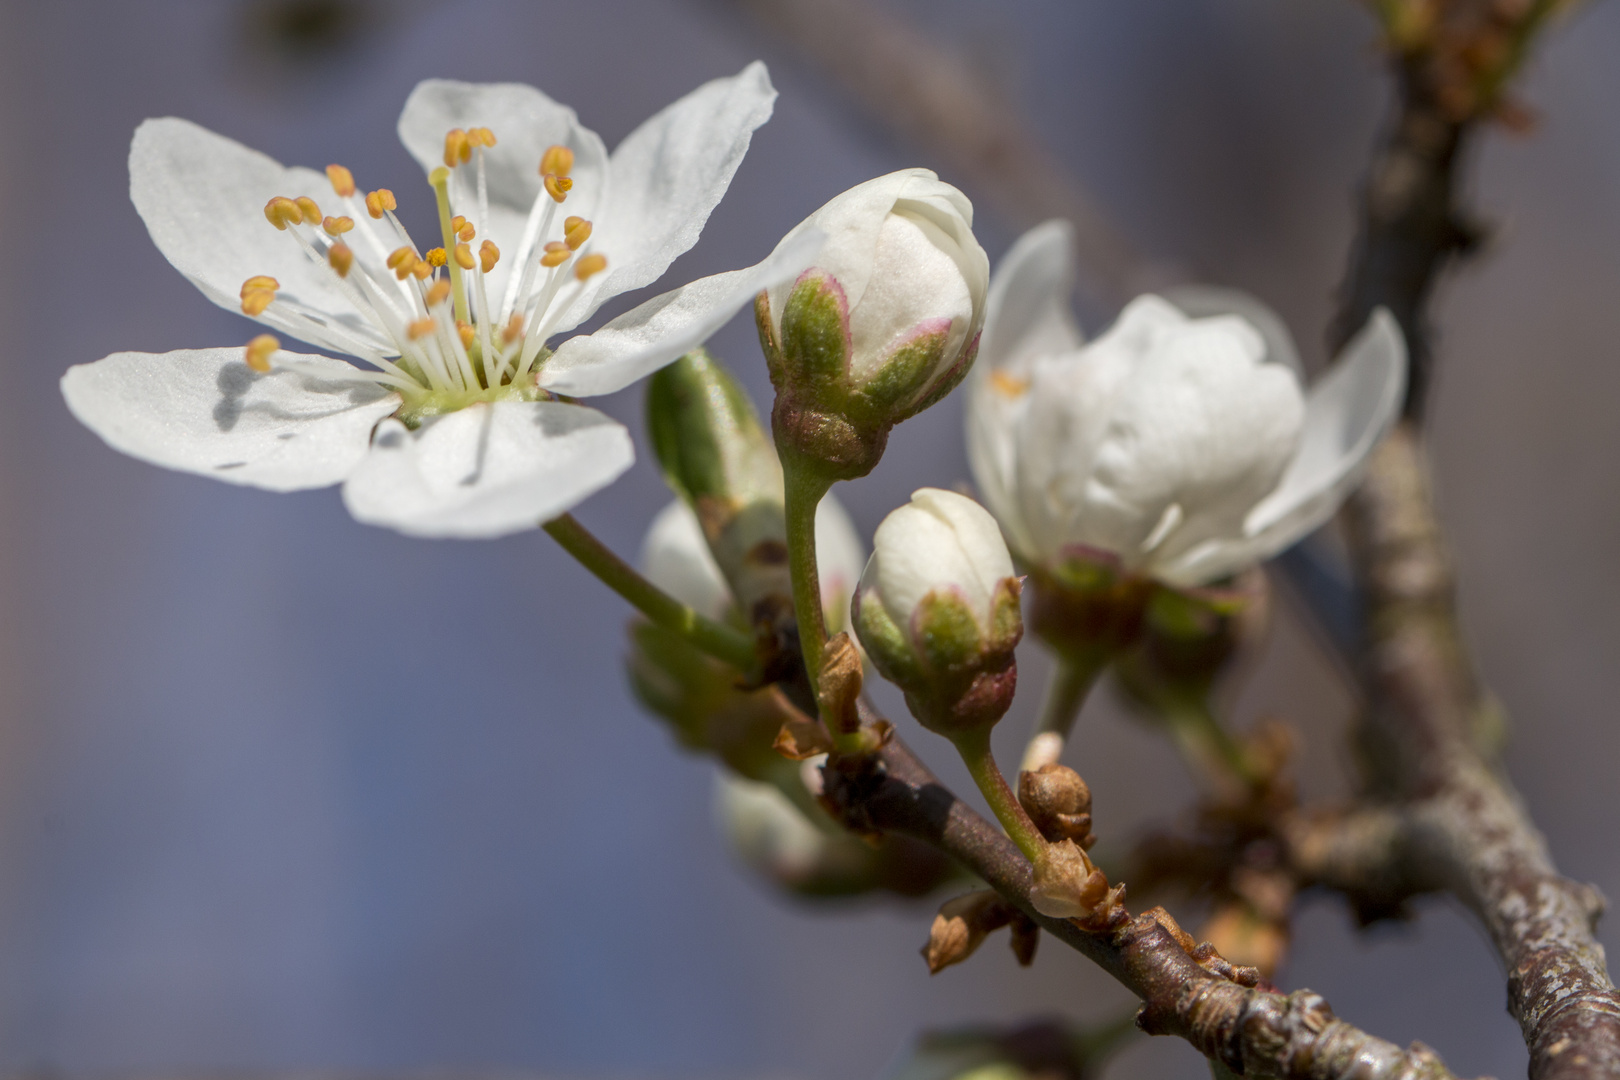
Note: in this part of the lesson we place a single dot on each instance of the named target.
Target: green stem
(718, 640)
(1206, 744)
(974, 746)
(1066, 693)
(803, 491)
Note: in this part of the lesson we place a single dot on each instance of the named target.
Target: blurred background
(249, 822)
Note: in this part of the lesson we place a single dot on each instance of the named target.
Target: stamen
(466, 232)
(440, 179)
(464, 257)
(575, 232)
(379, 202)
(307, 207)
(423, 270)
(342, 180)
(488, 256)
(1010, 385)
(421, 328)
(466, 333)
(480, 136)
(282, 212)
(457, 148)
(558, 187)
(260, 350)
(437, 294)
(556, 253)
(341, 258)
(337, 226)
(260, 281)
(513, 329)
(436, 257)
(556, 161)
(254, 301)
(402, 261)
(590, 264)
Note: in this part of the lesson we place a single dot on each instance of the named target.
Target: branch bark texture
(1253, 1031)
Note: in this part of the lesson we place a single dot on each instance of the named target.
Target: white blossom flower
(901, 258)
(457, 427)
(1180, 440)
(676, 558)
(937, 610)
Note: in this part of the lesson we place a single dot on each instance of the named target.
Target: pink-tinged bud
(937, 611)
(882, 326)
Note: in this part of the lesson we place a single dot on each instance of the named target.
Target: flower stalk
(974, 746)
(715, 638)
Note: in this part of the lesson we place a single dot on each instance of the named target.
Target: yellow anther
(465, 331)
(1010, 385)
(556, 254)
(421, 328)
(282, 212)
(341, 258)
(436, 257)
(480, 136)
(438, 293)
(307, 207)
(260, 350)
(572, 222)
(254, 301)
(457, 222)
(558, 186)
(513, 329)
(457, 147)
(403, 256)
(576, 235)
(590, 264)
(464, 257)
(337, 226)
(380, 201)
(556, 161)
(422, 270)
(488, 256)
(466, 232)
(342, 180)
(260, 281)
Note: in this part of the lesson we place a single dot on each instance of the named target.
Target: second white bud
(938, 611)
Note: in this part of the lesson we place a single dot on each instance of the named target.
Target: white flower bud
(1180, 440)
(884, 324)
(937, 610)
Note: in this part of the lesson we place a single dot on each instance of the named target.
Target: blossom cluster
(1121, 478)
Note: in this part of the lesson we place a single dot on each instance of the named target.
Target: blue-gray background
(281, 791)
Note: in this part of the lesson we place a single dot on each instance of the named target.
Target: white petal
(938, 540)
(1027, 314)
(205, 411)
(202, 197)
(840, 558)
(676, 558)
(669, 173)
(1028, 311)
(648, 336)
(525, 122)
(1348, 411)
(1203, 424)
(1205, 301)
(852, 221)
(487, 470)
(976, 533)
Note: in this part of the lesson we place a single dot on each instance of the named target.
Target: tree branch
(1253, 1031)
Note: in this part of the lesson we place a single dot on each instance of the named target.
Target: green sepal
(898, 379)
(947, 634)
(1006, 615)
(815, 335)
(884, 641)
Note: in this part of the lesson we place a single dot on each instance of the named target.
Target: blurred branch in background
(1437, 813)
(919, 88)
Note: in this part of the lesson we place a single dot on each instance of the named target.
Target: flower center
(451, 346)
